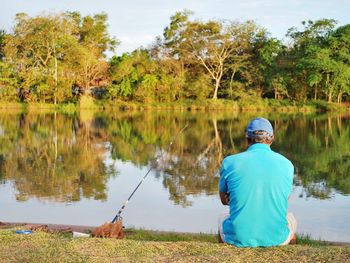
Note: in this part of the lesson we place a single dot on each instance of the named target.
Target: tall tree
(2, 43)
(212, 45)
(339, 43)
(269, 59)
(243, 73)
(38, 48)
(311, 50)
(127, 73)
(94, 42)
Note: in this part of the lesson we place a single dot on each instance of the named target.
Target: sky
(136, 23)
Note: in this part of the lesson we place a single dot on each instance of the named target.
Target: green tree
(38, 49)
(94, 42)
(268, 58)
(214, 45)
(91, 70)
(137, 76)
(8, 82)
(314, 63)
(2, 43)
(127, 72)
(339, 42)
(8, 76)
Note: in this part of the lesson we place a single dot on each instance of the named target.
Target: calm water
(79, 169)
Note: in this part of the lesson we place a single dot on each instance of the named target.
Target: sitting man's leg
(292, 225)
(224, 215)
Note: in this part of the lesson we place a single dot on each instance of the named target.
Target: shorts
(292, 225)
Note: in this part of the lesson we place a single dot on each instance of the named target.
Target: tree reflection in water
(53, 156)
(61, 157)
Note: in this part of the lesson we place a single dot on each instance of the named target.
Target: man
(256, 185)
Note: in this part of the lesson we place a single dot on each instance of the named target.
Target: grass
(146, 235)
(68, 108)
(247, 104)
(151, 246)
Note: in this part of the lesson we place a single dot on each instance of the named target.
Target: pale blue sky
(136, 23)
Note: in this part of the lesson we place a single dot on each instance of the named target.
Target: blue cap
(259, 124)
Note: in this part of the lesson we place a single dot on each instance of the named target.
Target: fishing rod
(117, 216)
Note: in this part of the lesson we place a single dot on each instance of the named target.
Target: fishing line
(117, 216)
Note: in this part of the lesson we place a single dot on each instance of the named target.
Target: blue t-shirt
(259, 182)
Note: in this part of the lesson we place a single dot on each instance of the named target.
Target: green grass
(160, 236)
(307, 240)
(248, 104)
(146, 235)
(144, 246)
(68, 108)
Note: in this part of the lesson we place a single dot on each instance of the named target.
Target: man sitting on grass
(256, 185)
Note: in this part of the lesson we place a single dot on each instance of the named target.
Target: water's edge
(89, 229)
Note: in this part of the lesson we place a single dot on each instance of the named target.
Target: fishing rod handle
(120, 211)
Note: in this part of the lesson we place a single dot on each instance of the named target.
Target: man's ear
(249, 141)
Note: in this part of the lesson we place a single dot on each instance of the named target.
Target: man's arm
(223, 189)
(225, 198)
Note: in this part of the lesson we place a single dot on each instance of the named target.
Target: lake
(79, 169)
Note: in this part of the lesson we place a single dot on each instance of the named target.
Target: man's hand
(225, 198)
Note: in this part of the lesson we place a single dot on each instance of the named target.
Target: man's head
(259, 130)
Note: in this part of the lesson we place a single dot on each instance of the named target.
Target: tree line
(58, 57)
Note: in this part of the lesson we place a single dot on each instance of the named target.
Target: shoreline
(220, 105)
(148, 246)
(64, 228)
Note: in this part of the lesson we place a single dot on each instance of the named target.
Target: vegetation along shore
(57, 58)
(260, 105)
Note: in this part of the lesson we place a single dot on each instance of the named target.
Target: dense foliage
(57, 58)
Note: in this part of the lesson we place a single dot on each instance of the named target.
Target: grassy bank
(146, 246)
(249, 104)
(255, 105)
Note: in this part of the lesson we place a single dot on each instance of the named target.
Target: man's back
(258, 182)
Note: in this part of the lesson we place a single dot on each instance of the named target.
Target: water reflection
(53, 156)
(320, 148)
(61, 157)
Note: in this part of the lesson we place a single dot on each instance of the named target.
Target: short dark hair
(260, 137)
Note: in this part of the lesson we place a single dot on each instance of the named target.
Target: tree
(94, 41)
(91, 70)
(8, 76)
(214, 45)
(312, 52)
(339, 42)
(51, 53)
(267, 58)
(127, 72)
(38, 49)
(2, 43)
(8, 82)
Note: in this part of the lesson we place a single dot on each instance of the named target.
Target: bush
(87, 102)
